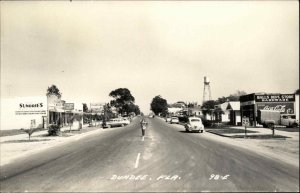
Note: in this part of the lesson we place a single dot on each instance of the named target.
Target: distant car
(194, 124)
(174, 120)
(114, 123)
(168, 119)
(125, 120)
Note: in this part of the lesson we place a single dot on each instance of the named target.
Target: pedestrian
(143, 126)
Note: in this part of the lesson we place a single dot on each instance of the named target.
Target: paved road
(166, 159)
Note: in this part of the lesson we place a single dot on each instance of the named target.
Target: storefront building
(234, 112)
(56, 110)
(39, 112)
(250, 104)
(24, 112)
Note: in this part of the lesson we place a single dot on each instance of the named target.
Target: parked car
(125, 120)
(174, 120)
(168, 119)
(194, 124)
(114, 123)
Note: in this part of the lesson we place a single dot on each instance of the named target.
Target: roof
(223, 106)
(234, 105)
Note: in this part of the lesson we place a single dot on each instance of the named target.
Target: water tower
(206, 90)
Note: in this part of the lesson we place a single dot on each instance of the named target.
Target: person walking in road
(143, 126)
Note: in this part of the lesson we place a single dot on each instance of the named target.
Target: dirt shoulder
(15, 146)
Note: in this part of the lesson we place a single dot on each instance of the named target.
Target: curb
(248, 136)
(219, 134)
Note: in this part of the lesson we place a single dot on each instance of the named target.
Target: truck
(269, 118)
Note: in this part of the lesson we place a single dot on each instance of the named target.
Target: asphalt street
(167, 159)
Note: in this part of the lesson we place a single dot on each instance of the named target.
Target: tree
(53, 90)
(131, 108)
(122, 97)
(30, 131)
(218, 112)
(231, 97)
(159, 105)
(209, 106)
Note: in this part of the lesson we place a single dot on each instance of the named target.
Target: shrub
(210, 123)
(53, 130)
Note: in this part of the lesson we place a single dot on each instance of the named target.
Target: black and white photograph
(149, 96)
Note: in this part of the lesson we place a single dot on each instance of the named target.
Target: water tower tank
(206, 80)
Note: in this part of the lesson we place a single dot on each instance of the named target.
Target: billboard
(69, 106)
(282, 107)
(55, 103)
(97, 107)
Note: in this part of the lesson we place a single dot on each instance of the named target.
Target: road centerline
(137, 161)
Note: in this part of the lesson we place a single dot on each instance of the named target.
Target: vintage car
(125, 120)
(168, 119)
(194, 124)
(174, 120)
(117, 122)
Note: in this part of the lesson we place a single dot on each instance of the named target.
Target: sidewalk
(259, 131)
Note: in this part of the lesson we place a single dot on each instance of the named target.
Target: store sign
(247, 103)
(97, 107)
(275, 98)
(69, 106)
(245, 121)
(55, 103)
(31, 106)
(284, 108)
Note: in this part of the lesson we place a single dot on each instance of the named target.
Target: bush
(210, 123)
(53, 130)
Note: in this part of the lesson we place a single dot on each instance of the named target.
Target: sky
(89, 48)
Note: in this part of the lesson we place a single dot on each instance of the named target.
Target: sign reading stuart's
(22, 105)
(275, 98)
(31, 106)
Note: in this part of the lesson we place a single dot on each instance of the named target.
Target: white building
(23, 112)
(231, 112)
(35, 112)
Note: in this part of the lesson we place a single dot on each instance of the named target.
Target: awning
(56, 110)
